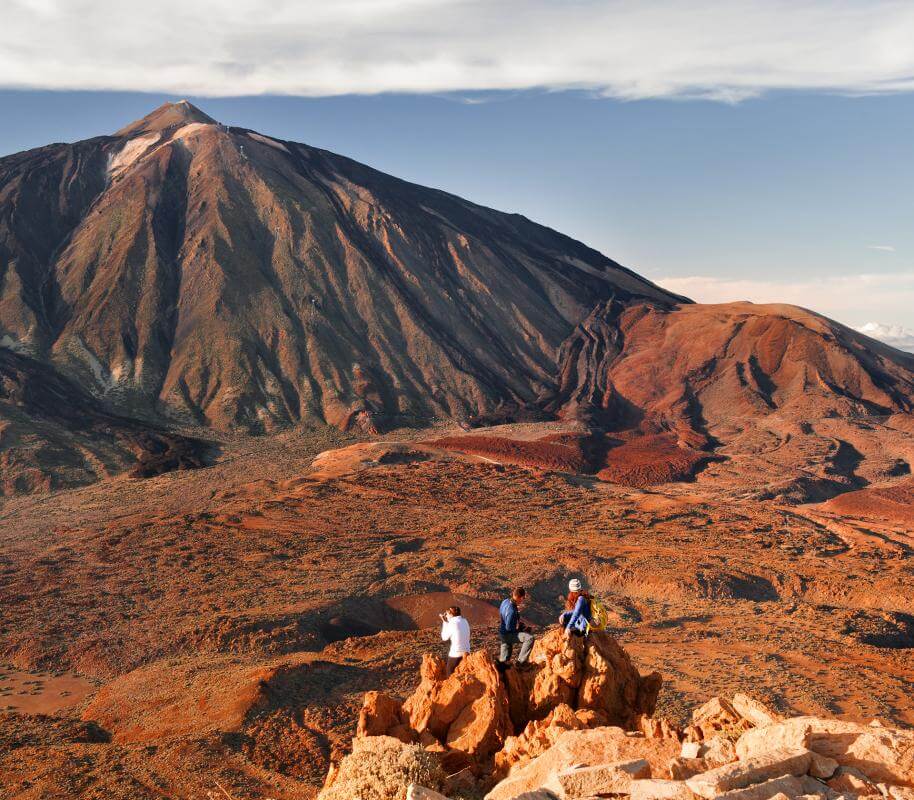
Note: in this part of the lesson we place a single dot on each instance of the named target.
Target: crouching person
(512, 630)
(456, 630)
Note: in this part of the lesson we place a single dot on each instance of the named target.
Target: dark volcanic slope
(188, 271)
(53, 434)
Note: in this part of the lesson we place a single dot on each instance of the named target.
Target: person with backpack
(456, 630)
(512, 631)
(578, 615)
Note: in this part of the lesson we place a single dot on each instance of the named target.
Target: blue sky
(730, 150)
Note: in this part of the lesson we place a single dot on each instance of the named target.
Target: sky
(737, 150)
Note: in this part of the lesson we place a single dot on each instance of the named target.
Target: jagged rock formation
(469, 717)
(803, 757)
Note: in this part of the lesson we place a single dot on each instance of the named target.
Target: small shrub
(380, 768)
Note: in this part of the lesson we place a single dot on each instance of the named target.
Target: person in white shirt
(456, 630)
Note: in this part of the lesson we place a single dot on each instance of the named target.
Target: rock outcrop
(486, 719)
(737, 749)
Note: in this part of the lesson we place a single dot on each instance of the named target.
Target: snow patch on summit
(131, 151)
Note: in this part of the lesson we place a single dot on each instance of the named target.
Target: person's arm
(445, 631)
(576, 614)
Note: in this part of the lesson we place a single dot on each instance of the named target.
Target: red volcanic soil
(541, 454)
(651, 460)
(236, 615)
(890, 503)
(636, 460)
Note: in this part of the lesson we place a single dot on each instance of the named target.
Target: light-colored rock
(717, 751)
(416, 792)
(536, 738)
(581, 782)
(759, 768)
(791, 786)
(901, 792)
(690, 749)
(594, 746)
(681, 768)
(717, 716)
(883, 754)
(851, 779)
(755, 711)
(821, 766)
(657, 789)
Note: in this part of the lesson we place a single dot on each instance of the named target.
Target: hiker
(456, 630)
(578, 613)
(512, 631)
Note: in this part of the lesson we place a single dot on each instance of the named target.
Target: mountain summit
(166, 116)
(188, 271)
(185, 272)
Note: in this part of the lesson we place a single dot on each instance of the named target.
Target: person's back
(456, 630)
(578, 611)
(512, 631)
(509, 616)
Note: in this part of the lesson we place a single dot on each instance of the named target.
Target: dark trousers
(452, 662)
(508, 640)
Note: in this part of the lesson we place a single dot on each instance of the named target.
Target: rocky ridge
(585, 729)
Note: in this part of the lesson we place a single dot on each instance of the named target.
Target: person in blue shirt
(578, 613)
(512, 631)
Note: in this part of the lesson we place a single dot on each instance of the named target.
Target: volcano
(185, 273)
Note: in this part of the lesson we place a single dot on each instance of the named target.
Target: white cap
(574, 585)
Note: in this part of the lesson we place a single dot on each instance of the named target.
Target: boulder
(657, 789)
(756, 769)
(681, 768)
(851, 780)
(583, 781)
(717, 751)
(576, 683)
(594, 746)
(466, 711)
(536, 738)
(790, 786)
(718, 716)
(883, 754)
(380, 713)
(754, 711)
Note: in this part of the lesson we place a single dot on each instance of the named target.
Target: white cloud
(895, 335)
(724, 49)
(850, 299)
(885, 248)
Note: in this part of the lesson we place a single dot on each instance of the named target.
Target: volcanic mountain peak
(167, 115)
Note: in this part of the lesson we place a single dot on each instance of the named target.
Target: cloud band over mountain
(719, 50)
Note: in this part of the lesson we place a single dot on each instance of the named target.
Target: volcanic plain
(229, 619)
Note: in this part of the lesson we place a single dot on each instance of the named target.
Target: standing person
(456, 630)
(512, 631)
(578, 613)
